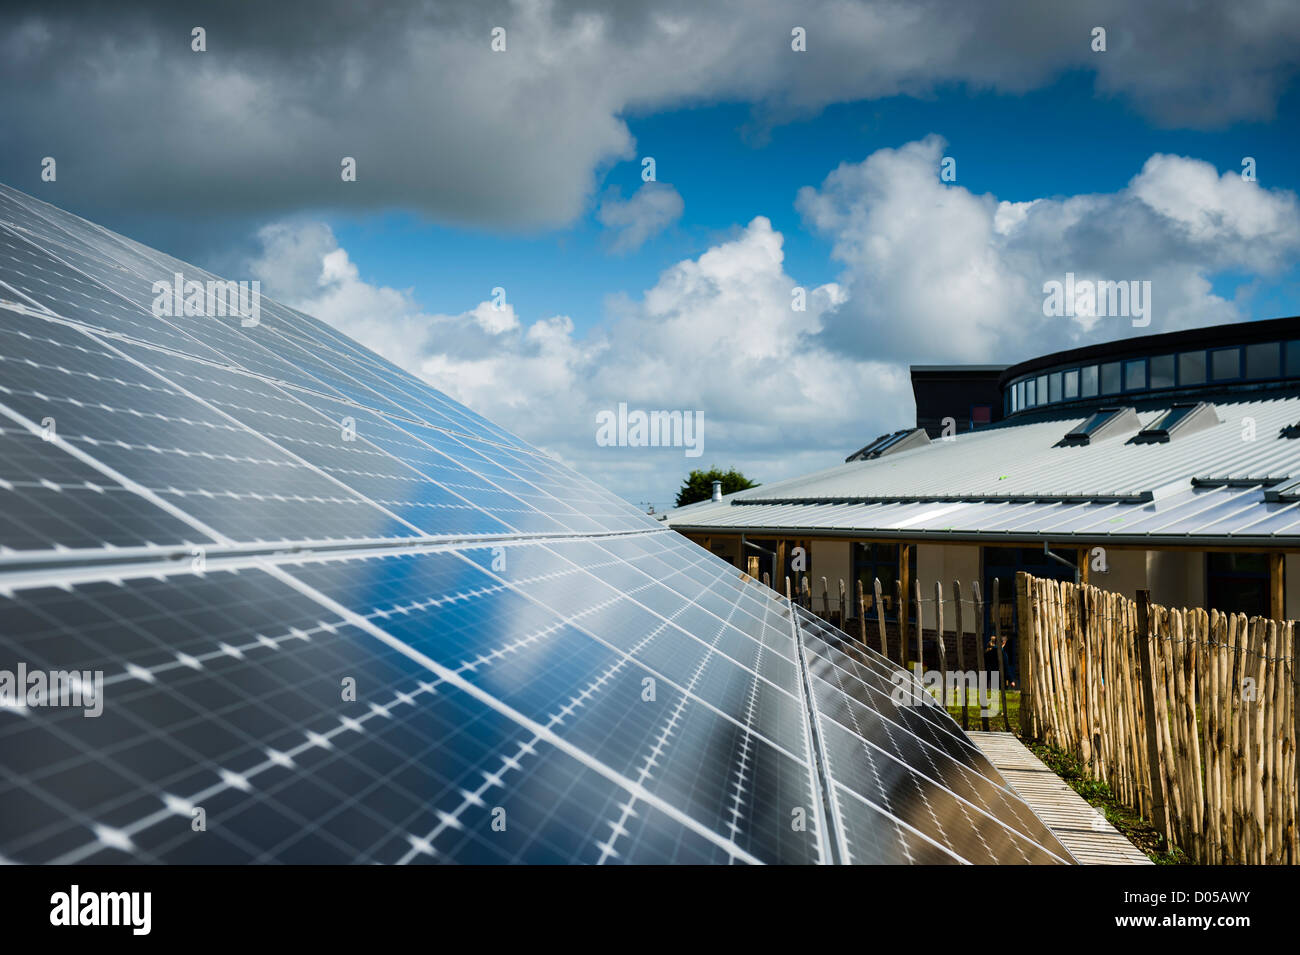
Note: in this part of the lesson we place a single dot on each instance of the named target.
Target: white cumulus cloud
(650, 210)
(715, 335)
(931, 273)
(936, 273)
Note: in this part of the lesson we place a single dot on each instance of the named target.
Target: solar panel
(267, 597)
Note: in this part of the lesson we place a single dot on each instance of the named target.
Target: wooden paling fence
(1189, 715)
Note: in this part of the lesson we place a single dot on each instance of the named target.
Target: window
(1263, 361)
(1054, 386)
(1001, 564)
(1185, 417)
(1292, 359)
(1191, 368)
(1071, 384)
(1088, 381)
(883, 443)
(1171, 417)
(879, 560)
(1110, 378)
(1135, 375)
(1103, 423)
(1041, 390)
(1029, 393)
(1020, 395)
(1225, 363)
(1237, 583)
(1162, 371)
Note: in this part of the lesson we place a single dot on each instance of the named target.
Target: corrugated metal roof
(1016, 481)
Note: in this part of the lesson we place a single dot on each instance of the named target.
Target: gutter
(1003, 538)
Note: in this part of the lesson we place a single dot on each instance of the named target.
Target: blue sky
(1061, 140)
(776, 168)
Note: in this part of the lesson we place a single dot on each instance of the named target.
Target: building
(1167, 462)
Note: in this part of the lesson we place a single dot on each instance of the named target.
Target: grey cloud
(440, 124)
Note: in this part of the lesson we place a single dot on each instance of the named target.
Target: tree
(699, 485)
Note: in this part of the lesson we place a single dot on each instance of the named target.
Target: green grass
(995, 722)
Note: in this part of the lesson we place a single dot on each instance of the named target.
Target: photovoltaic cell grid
(342, 618)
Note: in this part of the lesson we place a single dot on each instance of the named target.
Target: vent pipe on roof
(717, 491)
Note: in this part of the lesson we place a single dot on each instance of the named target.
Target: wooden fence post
(880, 621)
(1293, 777)
(1028, 705)
(981, 676)
(961, 652)
(938, 639)
(920, 649)
(787, 588)
(1080, 658)
(1292, 798)
(899, 595)
(1153, 768)
(862, 614)
(844, 621)
(767, 579)
(1002, 670)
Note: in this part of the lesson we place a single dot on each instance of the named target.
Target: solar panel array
(341, 618)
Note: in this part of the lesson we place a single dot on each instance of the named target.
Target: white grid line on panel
(247, 340)
(261, 437)
(174, 560)
(484, 697)
(647, 667)
(874, 747)
(31, 240)
(424, 844)
(116, 477)
(841, 788)
(651, 759)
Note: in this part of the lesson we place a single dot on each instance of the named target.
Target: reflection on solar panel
(338, 617)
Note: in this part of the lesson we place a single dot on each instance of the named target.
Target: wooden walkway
(1081, 828)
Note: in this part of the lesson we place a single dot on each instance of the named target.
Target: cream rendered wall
(946, 563)
(834, 561)
(1126, 572)
(1176, 578)
(1292, 572)
(1195, 569)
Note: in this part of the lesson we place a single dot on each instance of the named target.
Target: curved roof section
(1233, 333)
